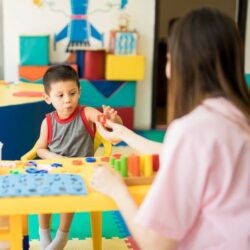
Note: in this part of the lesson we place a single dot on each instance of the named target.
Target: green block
(124, 166)
(34, 50)
(248, 79)
(122, 97)
(154, 135)
(118, 165)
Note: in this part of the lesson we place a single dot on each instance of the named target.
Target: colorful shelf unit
(125, 67)
(34, 50)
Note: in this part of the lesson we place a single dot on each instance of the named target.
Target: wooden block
(140, 180)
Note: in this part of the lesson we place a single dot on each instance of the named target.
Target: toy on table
(136, 170)
(41, 184)
(77, 162)
(28, 94)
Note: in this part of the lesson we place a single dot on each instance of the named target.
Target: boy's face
(64, 96)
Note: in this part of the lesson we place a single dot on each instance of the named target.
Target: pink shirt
(201, 196)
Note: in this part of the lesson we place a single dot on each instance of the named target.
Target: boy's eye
(60, 96)
(73, 93)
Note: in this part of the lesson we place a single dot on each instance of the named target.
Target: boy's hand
(109, 112)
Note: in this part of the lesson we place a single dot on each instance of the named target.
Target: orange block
(32, 73)
(133, 165)
(35, 73)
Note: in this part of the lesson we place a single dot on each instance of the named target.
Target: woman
(200, 198)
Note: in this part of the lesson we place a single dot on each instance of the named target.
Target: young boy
(66, 132)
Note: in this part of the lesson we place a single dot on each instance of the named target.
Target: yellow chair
(96, 217)
(98, 140)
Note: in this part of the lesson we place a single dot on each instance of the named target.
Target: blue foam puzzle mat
(41, 184)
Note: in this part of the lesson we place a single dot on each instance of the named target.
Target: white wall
(170, 9)
(23, 17)
(247, 42)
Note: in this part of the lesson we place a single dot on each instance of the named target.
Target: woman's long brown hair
(206, 61)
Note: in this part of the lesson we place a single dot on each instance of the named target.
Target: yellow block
(125, 67)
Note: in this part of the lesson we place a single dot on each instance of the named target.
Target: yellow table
(21, 118)
(92, 202)
(7, 91)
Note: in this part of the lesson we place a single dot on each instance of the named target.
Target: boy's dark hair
(206, 57)
(59, 73)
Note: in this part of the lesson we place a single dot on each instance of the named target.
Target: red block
(94, 65)
(156, 162)
(127, 115)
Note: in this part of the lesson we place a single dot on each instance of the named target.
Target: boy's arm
(42, 146)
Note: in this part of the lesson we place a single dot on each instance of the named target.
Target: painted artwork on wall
(48, 28)
(79, 29)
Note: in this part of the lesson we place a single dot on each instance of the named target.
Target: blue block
(107, 93)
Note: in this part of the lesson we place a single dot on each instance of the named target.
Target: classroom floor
(114, 231)
(107, 244)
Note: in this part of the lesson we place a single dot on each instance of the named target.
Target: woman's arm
(42, 146)
(137, 142)
(104, 180)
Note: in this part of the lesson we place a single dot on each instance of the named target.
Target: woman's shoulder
(214, 117)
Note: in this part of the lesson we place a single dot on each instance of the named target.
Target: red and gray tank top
(71, 137)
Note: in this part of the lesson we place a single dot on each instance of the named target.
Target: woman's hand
(113, 136)
(107, 181)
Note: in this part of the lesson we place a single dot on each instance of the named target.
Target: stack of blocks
(136, 170)
(34, 58)
(110, 79)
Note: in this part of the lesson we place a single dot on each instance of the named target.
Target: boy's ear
(46, 98)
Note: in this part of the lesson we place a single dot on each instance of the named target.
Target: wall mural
(79, 29)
